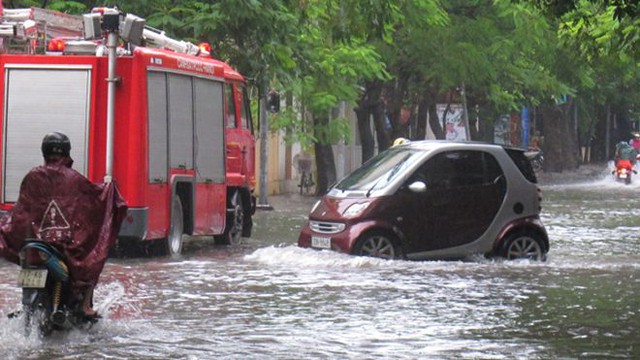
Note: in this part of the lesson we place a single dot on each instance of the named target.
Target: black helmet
(55, 143)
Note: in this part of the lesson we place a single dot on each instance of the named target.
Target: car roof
(429, 145)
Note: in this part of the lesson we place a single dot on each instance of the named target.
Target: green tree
(606, 42)
(394, 38)
(498, 50)
(332, 59)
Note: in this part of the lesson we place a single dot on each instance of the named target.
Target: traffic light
(273, 101)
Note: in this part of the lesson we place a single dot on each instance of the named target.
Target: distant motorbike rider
(625, 156)
(58, 205)
(635, 142)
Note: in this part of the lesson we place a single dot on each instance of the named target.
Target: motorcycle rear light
(34, 257)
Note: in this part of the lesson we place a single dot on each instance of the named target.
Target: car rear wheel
(378, 244)
(523, 246)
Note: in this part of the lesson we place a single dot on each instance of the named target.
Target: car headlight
(355, 209)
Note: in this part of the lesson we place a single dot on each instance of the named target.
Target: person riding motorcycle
(61, 207)
(635, 142)
(625, 156)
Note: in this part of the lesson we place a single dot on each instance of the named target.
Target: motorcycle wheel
(36, 319)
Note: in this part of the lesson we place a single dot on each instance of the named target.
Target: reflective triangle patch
(54, 219)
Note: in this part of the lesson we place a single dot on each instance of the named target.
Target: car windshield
(380, 170)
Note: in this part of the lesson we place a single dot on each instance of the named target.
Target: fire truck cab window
(245, 109)
(230, 106)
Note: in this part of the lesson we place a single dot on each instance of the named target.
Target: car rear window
(521, 161)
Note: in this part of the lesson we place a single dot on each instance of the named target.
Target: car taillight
(55, 45)
(34, 257)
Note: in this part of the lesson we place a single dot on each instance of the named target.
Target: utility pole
(340, 166)
(264, 128)
(607, 139)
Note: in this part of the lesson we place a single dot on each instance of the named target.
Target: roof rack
(26, 30)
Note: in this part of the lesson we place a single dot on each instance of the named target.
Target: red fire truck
(159, 116)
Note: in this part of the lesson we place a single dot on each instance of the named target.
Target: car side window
(457, 169)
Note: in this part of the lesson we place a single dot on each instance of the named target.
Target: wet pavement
(269, 299)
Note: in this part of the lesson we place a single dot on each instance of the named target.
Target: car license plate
(623, 176)
(321, 242)
(32, 278)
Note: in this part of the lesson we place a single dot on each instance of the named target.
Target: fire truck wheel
(235, 221)
(174, 239)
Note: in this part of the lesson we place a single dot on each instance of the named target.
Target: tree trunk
(370, 98)
(366, 137)
(570, 154)
(559, 140)
(325, 162)
(474, 133)
(423, 114)
(434, 121)
(326, 167)
(381, 132)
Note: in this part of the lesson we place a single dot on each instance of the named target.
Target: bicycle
(306, 182)
(306, 176)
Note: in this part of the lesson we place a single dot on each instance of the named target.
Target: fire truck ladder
(158, 39)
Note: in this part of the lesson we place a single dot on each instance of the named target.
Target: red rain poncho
(61, 207)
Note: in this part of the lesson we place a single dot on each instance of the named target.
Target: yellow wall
(274, 178)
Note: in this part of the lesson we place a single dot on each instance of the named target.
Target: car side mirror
(418, 187)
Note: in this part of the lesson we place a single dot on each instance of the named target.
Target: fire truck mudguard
(134, 225)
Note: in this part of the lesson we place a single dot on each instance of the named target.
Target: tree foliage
(385, 57)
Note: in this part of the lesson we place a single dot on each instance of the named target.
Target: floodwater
(268, 299)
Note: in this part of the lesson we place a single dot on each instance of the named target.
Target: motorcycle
(623, 171)
(49, 303)
(536, 157)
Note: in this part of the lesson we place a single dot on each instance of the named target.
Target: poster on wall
(454, 123)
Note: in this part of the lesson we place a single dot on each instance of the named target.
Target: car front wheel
(523, 246)
(378, 244)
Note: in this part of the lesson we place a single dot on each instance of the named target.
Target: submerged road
(269, 299)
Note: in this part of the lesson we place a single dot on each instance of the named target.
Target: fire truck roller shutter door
(40, 100)
(209, 132)
(180, 121)
(157, 103)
